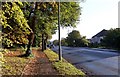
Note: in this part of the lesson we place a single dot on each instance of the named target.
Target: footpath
(39, 65)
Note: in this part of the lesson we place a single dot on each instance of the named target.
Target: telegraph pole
(60, 52)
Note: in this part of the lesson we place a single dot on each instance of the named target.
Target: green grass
(13, 65)
(64, 67)
(36, 48)
(31, 55)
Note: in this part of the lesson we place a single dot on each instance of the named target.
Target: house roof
(101, 33)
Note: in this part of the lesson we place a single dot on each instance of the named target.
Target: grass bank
(63, 67)
(11, 63)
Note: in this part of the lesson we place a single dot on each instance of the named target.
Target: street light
(60, 52)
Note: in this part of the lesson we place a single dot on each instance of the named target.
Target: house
(97, 38)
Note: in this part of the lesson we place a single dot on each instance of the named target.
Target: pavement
(40, 65)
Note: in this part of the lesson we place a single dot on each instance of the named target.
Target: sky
(96, 16)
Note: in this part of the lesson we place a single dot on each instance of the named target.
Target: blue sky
(96, 16)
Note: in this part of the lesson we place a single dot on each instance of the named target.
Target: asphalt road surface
(92, 60)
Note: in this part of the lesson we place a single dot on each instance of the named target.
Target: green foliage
(63, 42)
(26, 9)
(4, 50)
(84, 41)
(69, 14)
(56, 42)
(63, 66)
(75, 39)
(112, 39)
(1, 59)
(7, 42)
(37, 39)
(31, 56)
(15, 28)
(95, 45)
(47, 18)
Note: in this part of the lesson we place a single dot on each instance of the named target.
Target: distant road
(93, 61)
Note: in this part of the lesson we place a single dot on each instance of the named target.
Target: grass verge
(13, 65)
(63, 67)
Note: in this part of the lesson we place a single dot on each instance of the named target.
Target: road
(92, 60)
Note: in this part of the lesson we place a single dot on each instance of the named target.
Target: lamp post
(60, 52)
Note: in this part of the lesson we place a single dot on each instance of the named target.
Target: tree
(75, 39)
(46, 17)
(69, 14)
(55, 42)
(14, 26)
(63, 42)
(42, 23)
(21, 26)
(112, 39)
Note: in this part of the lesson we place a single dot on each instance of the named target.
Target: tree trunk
(45, 44)
(32, 26)
(30, 38)
(42, 42)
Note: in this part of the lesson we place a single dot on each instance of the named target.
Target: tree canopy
(18, 24)
(69, 14)
(47, 18)
(14, 26)
(75, 39)
(112, 39)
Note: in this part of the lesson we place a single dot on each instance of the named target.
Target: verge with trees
(33, 23)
